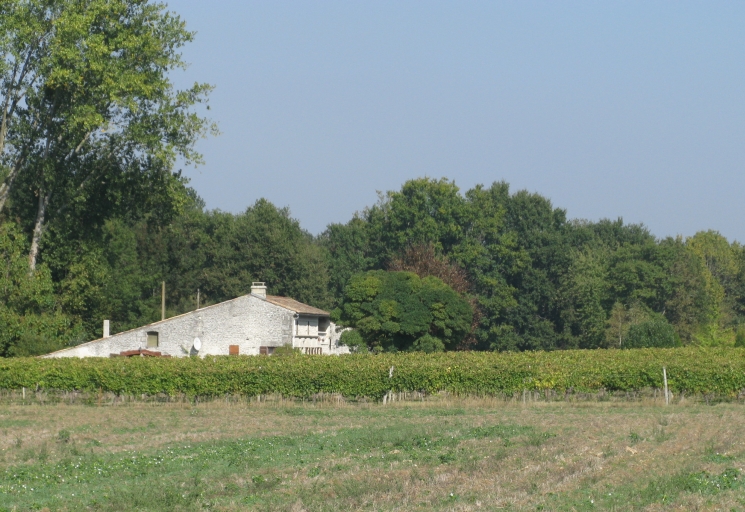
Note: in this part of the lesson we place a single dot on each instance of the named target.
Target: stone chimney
(258, 289)
(106, 329)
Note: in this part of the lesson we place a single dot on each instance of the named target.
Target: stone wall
(250, 322)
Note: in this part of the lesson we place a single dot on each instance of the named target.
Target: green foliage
(428, 344)
(652, 333)
(740, 337)
(221, 254)
(353, 339)
(620, 320)
(286, 351)
(30, 321)
(717, 371)
(400, 311)
(92, 125)
(540, 281)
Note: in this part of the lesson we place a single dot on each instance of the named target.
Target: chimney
(106, 329)
(258, 289)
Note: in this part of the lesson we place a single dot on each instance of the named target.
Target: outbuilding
(253, 324)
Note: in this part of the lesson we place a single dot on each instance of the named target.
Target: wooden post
(163, 301)
(389, 396)
(664, 378)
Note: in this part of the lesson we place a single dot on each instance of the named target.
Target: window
(266, 351)
(303, 327)
(323, 324)
(307, 326)
(233, 350)
(152, 339)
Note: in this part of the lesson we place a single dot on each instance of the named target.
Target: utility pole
(163, 301)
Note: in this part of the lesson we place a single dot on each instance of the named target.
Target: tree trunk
(38, 229)
(6, 186)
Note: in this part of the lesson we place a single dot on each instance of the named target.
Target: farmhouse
(252, 324)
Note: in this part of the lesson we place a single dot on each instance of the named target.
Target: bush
(428, 344)
(394, 311)
(353, 339)
(650, 334)
(740, 337)
(286, 351)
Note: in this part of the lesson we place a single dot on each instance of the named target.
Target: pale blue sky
(610, 109)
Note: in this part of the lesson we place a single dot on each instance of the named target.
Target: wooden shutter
(233, 350)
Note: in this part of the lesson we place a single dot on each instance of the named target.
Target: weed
(536, 439)
(706, 483)
(447, 458)
(660, 435)
(263, 483)
(63, 436)
(719, 458)
(314, 472)
(634, 438)
(43, 455)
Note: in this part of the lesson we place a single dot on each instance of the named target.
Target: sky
(609, 109)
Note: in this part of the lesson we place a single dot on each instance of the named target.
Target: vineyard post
(664, 378)
(389, 396)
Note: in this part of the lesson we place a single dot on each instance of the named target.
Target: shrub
(353, 339)
(428, 344)
(652, 333)
(393, 310)
(286, 351)
(740, 337)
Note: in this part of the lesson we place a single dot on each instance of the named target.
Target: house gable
(242, 325)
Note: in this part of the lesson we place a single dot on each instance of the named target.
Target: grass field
(441, 454)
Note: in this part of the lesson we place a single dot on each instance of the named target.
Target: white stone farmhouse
(251, 324)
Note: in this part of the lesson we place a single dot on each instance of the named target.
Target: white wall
(248, 321)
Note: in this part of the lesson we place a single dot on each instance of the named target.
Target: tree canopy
(91, 124)
(396, 311)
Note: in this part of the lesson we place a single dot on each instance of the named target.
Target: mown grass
(449, 455)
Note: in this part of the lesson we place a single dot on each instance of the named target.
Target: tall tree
(399, 311)
(87, 100)
(31, 321)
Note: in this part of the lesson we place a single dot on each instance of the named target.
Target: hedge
(719, 371)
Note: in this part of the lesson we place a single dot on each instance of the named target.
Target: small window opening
(233, 350)
(323, 324)
(266, 351)
(152, 339)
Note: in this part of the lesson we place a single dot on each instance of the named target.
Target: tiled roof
(293, 305)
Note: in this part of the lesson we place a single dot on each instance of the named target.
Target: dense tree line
(540, 281)
(531, 278)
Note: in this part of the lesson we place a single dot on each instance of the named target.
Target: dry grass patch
(445, 455)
